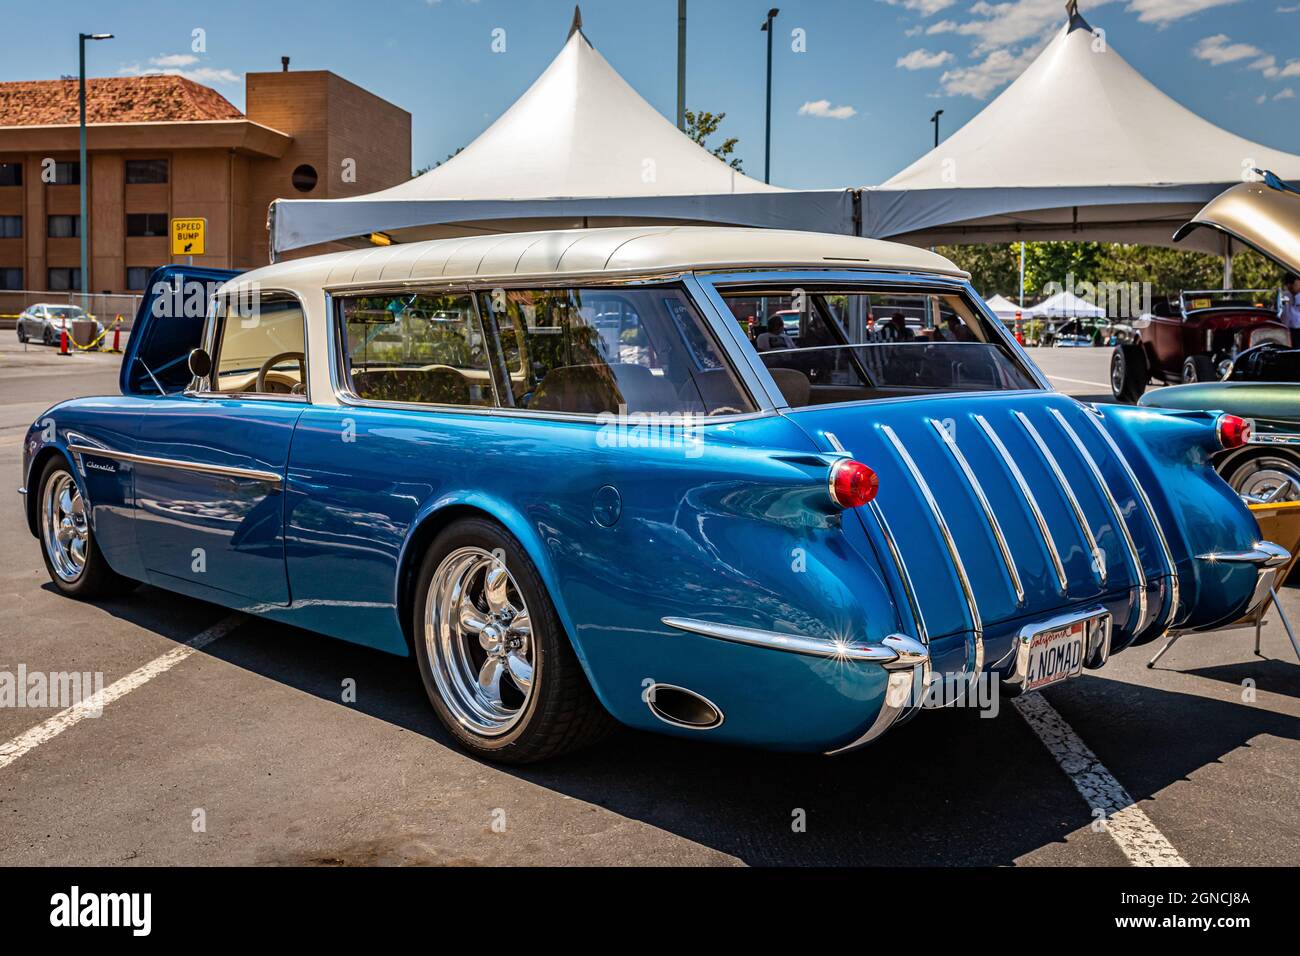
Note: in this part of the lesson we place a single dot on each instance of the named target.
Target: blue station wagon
(557, 470)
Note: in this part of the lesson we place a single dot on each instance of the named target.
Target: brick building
(163, 147)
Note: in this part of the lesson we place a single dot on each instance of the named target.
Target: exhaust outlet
(682, 708)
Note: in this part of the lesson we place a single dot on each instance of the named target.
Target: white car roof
(638, 250)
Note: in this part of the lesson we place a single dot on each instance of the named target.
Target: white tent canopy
(1066, 305)
(580, 147)
(1004, 308)
(1081, 146)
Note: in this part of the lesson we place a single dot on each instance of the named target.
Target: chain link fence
(105, 306)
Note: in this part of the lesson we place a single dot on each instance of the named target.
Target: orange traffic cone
(63, 342)
(1020, 338)
(117, 338)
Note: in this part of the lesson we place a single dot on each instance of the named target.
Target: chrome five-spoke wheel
(478, 634)
(64, 528)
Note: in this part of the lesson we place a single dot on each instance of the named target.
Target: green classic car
(1263, 383)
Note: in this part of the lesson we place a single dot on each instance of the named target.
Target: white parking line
(1076, 381)
(47, 730)
(1139, 838)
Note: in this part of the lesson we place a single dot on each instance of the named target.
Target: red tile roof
(119, 99)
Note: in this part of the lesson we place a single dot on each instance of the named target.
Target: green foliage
(700, 126)
(995, 268)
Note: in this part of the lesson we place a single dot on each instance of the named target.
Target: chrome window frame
(343, 394)
(712, 284)
(202, 387)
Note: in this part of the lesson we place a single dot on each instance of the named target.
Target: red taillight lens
(852, 483)
(1233, 431)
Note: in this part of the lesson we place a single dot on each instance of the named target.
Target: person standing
(1291, 307)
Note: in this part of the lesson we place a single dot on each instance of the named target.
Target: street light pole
(83, 174)
(767, 140)
(681, 65)
(935, 120)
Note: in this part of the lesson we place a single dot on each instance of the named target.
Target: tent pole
(1022, 273)
(1227, 262)
(681, 65)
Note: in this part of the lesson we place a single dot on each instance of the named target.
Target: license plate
(1057, 654)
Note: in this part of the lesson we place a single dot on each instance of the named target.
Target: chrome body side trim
(977, 665)
(1134, 557)
(889, 653)
(1028, 495)
(1098, 559)
(1151, 513)
(1264, 554)
(226, 471)
(1014, 575)
(1274, 438)
(921, 631)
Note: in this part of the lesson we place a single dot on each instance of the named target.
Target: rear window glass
(828, 345)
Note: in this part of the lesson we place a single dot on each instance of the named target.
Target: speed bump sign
(188, 236)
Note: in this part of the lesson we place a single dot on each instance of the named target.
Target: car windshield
(858, 343)
(64, 311)
(1230, 299)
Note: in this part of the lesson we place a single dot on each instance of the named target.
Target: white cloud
(1163, 12)
(1219, 49)
(824, 109)
(924, 60)
(169, 65)
(927, 8)
(1284, 94)
(981, 79)
(174, 59)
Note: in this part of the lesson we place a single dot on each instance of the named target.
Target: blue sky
(852, 109)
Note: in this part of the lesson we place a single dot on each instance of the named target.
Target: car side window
(594, 350)
(261, 346)
(420, 348)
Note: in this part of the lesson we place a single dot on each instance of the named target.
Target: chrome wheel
(479, 639)
(1268, 479)
(64, 528)
(1117, 372)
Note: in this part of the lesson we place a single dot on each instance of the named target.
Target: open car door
(168, 324)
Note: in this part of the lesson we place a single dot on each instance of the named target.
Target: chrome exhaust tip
(681, 707)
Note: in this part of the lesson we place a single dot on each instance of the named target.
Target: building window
(137, 277)
(65, 174)
(65, 279)
(146, 171)
(11, 227)
(304, 178)
(146, 224)
(11, 277)
(11, 174)
(63, 227)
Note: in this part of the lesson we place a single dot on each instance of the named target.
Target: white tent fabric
(1066, 305)
(580, 147)
(1005, 309)
(1080, 146)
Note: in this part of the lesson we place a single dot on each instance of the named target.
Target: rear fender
(1202, 518)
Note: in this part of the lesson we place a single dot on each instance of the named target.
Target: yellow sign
(188, 236)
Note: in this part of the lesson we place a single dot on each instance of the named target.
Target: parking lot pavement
(251, 735)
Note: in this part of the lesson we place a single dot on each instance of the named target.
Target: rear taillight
(852, 484)
(1233, 431)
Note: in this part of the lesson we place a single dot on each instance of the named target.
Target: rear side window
(261, 347)
(416, 348)
(588, 351)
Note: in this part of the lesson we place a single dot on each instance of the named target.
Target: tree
(700, 126)
(992, 268)
(424, 169)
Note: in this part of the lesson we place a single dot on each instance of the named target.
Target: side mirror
(200, 363)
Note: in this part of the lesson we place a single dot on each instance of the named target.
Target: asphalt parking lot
(250, 736)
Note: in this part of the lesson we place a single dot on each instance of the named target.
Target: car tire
(72, 558)
(1258, 473)
(1129, 373)
(508, 693)
(22, 334)
(48, 336)
(1199, 368)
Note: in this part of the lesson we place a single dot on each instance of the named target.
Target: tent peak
(576, 25)
(1074, 19)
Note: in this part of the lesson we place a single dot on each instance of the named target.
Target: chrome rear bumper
(1268, 559)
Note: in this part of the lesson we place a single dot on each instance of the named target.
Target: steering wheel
(275, 360)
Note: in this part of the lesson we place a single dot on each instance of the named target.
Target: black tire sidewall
(86, 584)
(546, 634)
